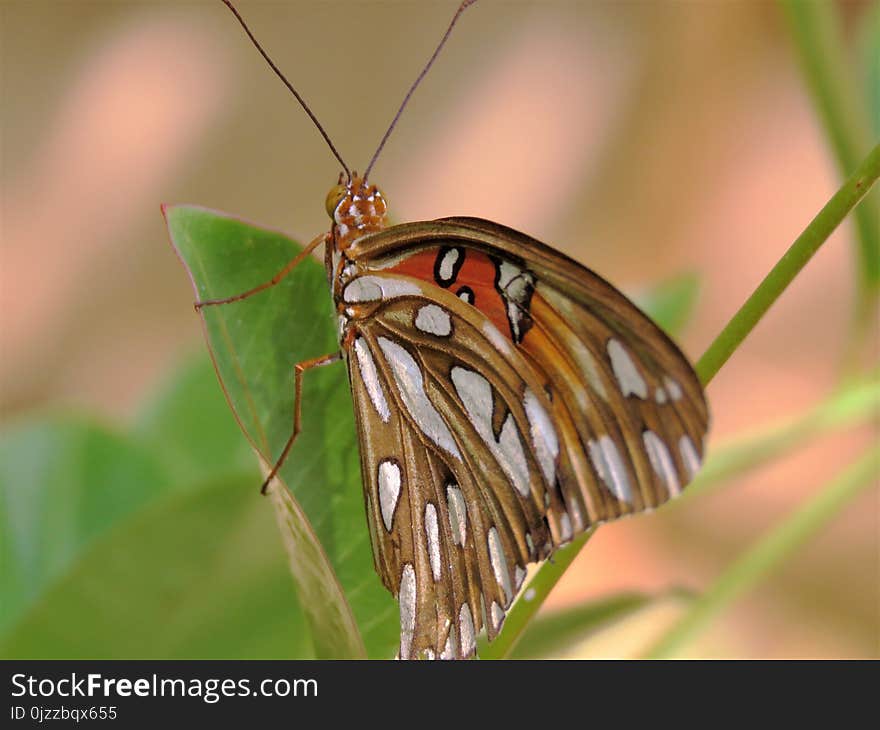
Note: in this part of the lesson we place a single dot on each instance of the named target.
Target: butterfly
(506, 399)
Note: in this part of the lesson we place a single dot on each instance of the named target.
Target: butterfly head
(357, 208)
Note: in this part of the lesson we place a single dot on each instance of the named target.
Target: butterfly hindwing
(456, 492)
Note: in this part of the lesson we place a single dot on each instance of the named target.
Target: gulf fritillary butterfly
(506, 399)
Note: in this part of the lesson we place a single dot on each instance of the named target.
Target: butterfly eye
(334, 198)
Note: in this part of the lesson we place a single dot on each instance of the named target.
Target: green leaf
(255, 344)
(63, 483)
(191, 425)
(197, 575)
(188, 425)
(671, 303)
(816, 27)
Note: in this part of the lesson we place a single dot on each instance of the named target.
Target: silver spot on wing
(499, 563)
(375, 288)
(565, 527)
(673, 388)
(628, 376)
(390, 481)
(496, 339)
(689, 455)
(434, 320)
(519, 574)
(457, 514)
(662, 461)
(407, 598)
(544, 436)
(609, 466)
(432, 533)
(475, 393)
(497, 614)
(447, 264)
(466, 630)
(370, 376)
(449, 648)
(408, 377)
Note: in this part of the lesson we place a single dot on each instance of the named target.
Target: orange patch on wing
(477, 273)
(419, 266)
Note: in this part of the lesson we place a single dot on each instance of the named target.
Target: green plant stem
(816, 30)
(769, 552)
(815, 234)
(528, 604)
(784, 272)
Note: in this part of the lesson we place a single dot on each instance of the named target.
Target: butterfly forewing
(507, 399)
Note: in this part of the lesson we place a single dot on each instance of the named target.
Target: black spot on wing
(466, 294)
(457, 254)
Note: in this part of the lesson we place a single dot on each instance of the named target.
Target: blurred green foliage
(116, 545)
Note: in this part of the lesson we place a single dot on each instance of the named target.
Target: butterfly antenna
(293, 91)
(461, 8)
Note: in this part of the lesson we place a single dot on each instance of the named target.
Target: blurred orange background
(642, 138)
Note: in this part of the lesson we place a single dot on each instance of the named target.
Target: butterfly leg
(298, 370)
(290, 266)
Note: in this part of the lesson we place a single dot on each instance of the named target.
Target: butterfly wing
(535, 391)
(459, 480)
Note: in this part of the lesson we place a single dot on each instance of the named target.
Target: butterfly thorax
(357, 209)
